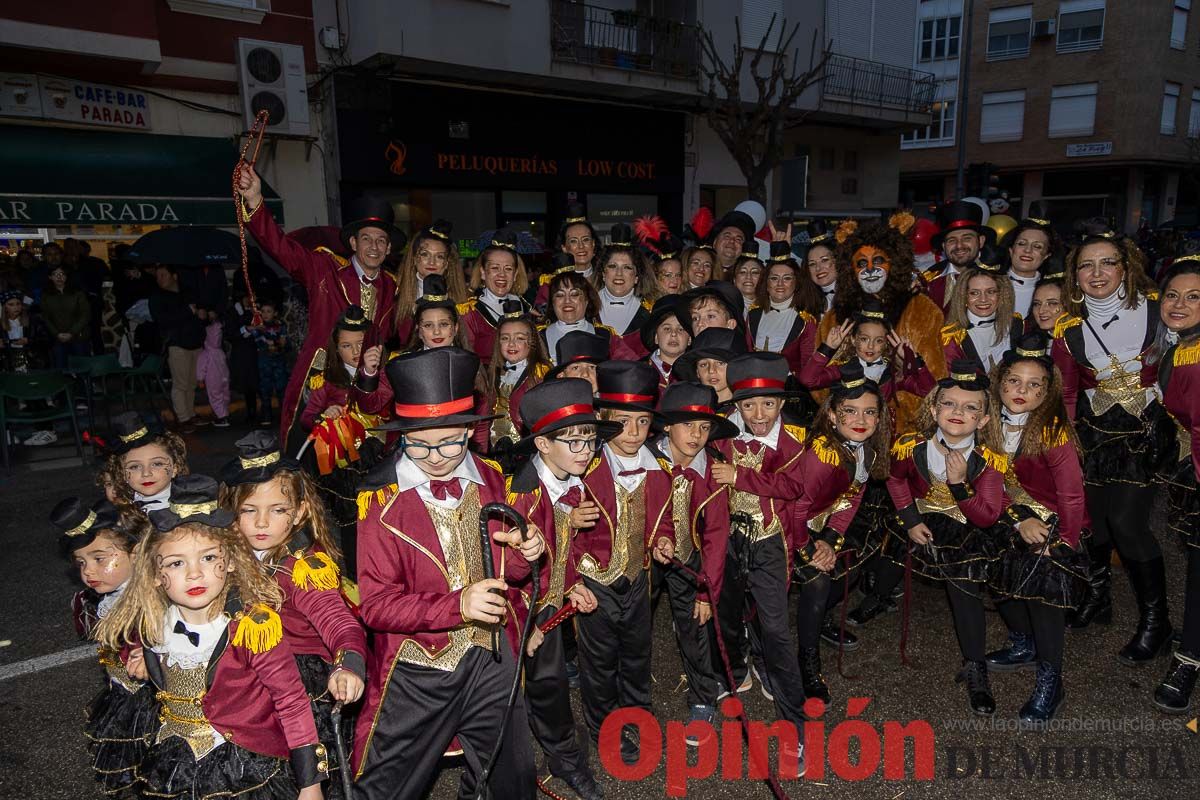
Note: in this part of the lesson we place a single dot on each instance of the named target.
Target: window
(939, 38)
(1008, 32)
(1179, 24)
(1194, 116)
(1080, 25)
(1003, 117)
(1170, 108)
(849, 185)
(1073, 110)
(756, 18)
(850, 160)
(938, 134)
(828, 158)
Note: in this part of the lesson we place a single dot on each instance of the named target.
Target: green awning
(64, 176)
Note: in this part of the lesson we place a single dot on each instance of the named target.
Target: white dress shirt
(774, 326)
(1013, 425)
(495, 304)
(618, 312)
(644, 460)
(154, 502)
(555, 487)
(558, 329)
(1023, 289)
(411, 476)
(1123, 338)
(511, 373)
(771, 440)
(936, 461)
(984, 336)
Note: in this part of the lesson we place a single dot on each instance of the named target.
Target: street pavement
(1113, 742)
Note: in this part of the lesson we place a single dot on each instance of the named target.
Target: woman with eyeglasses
(577, 243)
(626, 288)
(432, 252)
(1029, 246)
(1105, 348)
(782, 320)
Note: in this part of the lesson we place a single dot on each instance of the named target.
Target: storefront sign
(1089, 149)
(67, 100)
(41, 211)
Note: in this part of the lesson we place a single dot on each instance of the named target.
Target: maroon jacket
(332, 285)
(708, 524)
(481, 324)
(957, 344)
(257, 701)
(1179, 379)
(936, 284)
(1055, 479)
(528, 496)
(777, 483)
(820, 373)
(487, 404)
(827, 476)
(801, 339)
(981, 498)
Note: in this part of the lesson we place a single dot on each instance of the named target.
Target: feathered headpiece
(649, 229)
(702, 223)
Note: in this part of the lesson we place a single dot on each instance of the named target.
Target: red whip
(256, 136)
(558, 618)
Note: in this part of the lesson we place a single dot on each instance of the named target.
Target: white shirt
(860, 461)
(154, 502)
(511, 373)
(15, 330)
(558, 329)
(774, 325)
(618, 312)
(829, 292)
(1015, 422)
(495, 304)
(699, 463)
(411, 476)
(936, 461)
(178, 649)
(984, 338)
(1023, 289)
(109, 600)
(555, 487)
(874, 371)
(771, 440)
(663, 368)
(362, 274)
(644, 460)
(1123, 338)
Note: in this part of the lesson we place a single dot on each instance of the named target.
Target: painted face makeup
(871, 267)
(103, 565)
(266, 518)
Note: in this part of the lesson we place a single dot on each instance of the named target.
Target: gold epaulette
(464, 308)
(1064, 323)
(997, 461)
(664, 464)
(1152, 294)
(259, 628)
(808, 318)
(380, 496)
(316, 381)
(341, 262)
(905, 445)
(1186, 354)
(315, 570)
(953, 333)
(930, 274)
(796, 432)
(544, 280)
(826, 452)
(1053, 438)
(600, 327)
(493, 464)
(540, 370)
(646, 304)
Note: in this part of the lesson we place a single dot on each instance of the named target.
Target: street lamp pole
(962, 116)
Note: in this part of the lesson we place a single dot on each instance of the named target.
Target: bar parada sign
(44, 210)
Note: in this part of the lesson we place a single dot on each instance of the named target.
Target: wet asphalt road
(1114, 744)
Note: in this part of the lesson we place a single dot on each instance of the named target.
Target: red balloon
(921, 234)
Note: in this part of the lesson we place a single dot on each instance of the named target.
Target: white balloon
(754, 210)
(987, 212)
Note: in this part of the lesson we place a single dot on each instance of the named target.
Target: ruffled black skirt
(170, 770)
(120, 727)
(1121, 448)
(1183, 502)
(314, 673)
(862, 537)
(1020, 572)
(959, 551)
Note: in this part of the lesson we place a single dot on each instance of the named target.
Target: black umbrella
(187, 246)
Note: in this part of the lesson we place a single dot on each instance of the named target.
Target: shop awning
(64, 176)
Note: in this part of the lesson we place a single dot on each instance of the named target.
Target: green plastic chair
(145, 380)
(93, 369)
(32, 387)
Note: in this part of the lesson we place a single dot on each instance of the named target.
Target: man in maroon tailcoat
(332, 282)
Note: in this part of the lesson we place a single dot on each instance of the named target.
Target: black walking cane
(339, 742)
(485, 543)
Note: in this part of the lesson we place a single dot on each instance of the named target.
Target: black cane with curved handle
(485, 541)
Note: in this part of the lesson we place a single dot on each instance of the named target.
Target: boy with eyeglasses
(434, 676)
(563, 434)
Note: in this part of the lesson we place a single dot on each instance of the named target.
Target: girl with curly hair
(142, 460)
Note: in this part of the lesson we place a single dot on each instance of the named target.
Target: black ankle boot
(1153, 635)
(1174, 694)
(832, 632)
(979, 690)
(870, 608)
(1019, 653)
(810, 673)
(1048, 694)
(1097, 601)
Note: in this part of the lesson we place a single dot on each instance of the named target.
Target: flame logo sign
(395, 153)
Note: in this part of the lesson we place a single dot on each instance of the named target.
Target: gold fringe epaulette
(808, 318)
(379, 495)
(905, 445)
(315, 570)
(1152, 294)
(259, 628)
(608, 328)
(464, 308)
(997, 461)
(1186, 354)
(544, 279)
(953, 333)
(796, 432)
(493, 464)
(1065, 323)
(540, 370)
(341, 262)
(826, 452)
(316, 382)
(1055, 438)
(646, 304)
(930, 274)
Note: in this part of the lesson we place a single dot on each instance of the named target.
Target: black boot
(979, 690)
(1097, 601)
(1153, 635)
(810, 674)
(1048, 694)
(1019, 653)
(1174, 694)
(831, 632)
(870, 608)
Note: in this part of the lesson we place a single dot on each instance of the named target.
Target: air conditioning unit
(271, 77)
(1044, 28)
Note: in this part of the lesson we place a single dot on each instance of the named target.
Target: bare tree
(752, 128)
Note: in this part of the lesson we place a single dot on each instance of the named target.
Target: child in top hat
(761, 469)
(435, 321)
(664, 337)
(831, 533)
(577, 356)
(706, 361)
(563, 436)
(947, 483)
(716, 304)
(142, 460)
(280, 514)
(631, 493)
(519, 363)
(234, 712)
(122, 718)
(700, 508)
(439, 670)
(498, 275)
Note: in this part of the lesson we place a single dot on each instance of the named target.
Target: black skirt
(1119, 448)
(339, 489)
(1183, 502)
(1020, 572)
(170, 770)
(120, 726)
(314, 673)
(959, 550)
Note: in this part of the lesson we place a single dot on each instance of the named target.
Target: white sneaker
(40, 438)
(762, 685)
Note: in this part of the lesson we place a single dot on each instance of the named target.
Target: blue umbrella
(526, 244)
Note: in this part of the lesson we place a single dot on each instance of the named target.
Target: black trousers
(1190, 644)
(1044, 623)
(1120, 514)
(966, 607)
(614, 651)
(694, 640)
(817, 597)
(763, 581)
(426, 708)
(548, 699)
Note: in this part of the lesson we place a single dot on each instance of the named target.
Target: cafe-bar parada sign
(69, 100)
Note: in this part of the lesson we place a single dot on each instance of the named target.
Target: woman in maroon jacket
(1179, 380)
(234, 711)
(781, 320)
(1041, 570)
(282, 518)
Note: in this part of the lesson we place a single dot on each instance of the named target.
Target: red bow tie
(442, 489)
(628, 472)
(572, 498)
(754, 446)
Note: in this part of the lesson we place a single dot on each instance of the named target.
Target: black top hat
(871, 311)
(1033, 345)
(436, 295)
(781, 253)
(433, 389)
(258, 460)
(819, 233)
(562, 262)
(576, 215)
(512, 309)
(372, 212)
(735, 219)
(1052, 268)
(578, 346)
(667, 247)
(991, 259)
(440, 230)
(628, 385)
(957, 216)
(758, 375)
(852, 382)
(194, 499)
(723, 292)
(668, 305)
(505, 239)
(686, 401)
(965, 375)
(722, 344)
(79, 524)
(620, 235)
(131, 431)
(557, 405)
(353, 319)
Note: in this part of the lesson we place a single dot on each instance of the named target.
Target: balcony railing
(623, 39)
(871, 83)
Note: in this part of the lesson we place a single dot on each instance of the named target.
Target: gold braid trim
(1187, 354)
(953, 333)
(1064, 323)
(905, 445)
(827, 453)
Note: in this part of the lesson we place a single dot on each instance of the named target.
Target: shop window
(1003, 117)
(1008, 32)
(1194, 116)
(1179, 22)
(1080, 25)
(1170, 108)
(1073, 110)
(940, 38)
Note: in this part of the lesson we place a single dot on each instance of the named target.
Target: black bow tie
(511, 367)
(983, 323)
(1115, 317)
(192, 636)
(873, 363)
(616, 302)
(829, 291)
